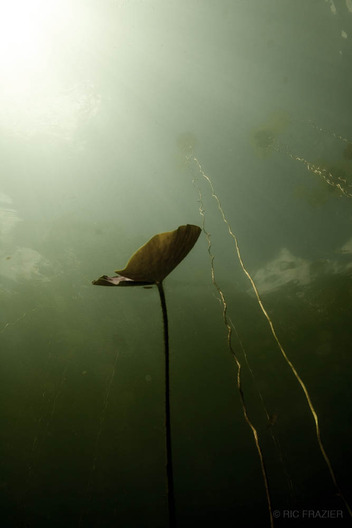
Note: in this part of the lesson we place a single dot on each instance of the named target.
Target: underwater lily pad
(118, 280)
(150, 265)
(156, 259)
(161, 254)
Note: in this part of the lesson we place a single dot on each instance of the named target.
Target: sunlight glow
(41, 91)
(26, 30)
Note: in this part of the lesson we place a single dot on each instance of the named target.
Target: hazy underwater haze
(123, 119)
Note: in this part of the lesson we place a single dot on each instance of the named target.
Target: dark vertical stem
(169, 470)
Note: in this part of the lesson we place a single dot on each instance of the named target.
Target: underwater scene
(196, 157)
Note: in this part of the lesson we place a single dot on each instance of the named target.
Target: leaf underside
(152, 262)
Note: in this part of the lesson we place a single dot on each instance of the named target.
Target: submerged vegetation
(150, 265)
(335, 178)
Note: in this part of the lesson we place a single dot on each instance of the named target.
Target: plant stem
(169, 470)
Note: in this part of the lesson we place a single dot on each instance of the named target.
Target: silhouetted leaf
(156, 259)
(161, 254)
(118, 280)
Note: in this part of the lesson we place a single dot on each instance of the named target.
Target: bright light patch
(26, 30)
(39, 93)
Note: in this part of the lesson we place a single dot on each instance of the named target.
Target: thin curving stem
(169, 470)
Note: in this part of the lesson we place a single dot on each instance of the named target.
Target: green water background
(82, 424)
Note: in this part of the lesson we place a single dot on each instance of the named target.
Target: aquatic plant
(148, 266)
(264, 138)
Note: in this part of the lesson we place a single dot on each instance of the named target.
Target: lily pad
(161, 254)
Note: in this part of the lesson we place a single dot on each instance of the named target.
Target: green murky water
(116, 118)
